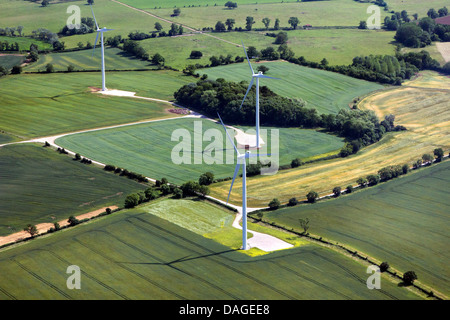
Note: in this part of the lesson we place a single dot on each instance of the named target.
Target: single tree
(293, 21)
(49, 68)
(231, 4)
(249, 21)
(281, 38)
(384, 266)
(362, 25)
(274, 204)
(312, 196)
(337, 191)
(31, 229)
(304, 223)
(438, 153)
(158, 59)
(206, 178)
(176, 12)
(16, 70)
(158, 26)
(262, 68)
(409, 277)
(45, 3)
(230, 23)
(266, 22)
(73, 221)
(276, 26)
(219, 27)
(293, 202)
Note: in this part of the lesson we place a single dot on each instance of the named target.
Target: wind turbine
(256, 76)
(100, 31)
(241, 160)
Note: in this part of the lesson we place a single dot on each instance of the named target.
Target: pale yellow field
(423, 109)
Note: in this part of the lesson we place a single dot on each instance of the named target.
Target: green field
(416, 6)
(115, 59)
(9, 61)
(34, 105)
(54, 17)
(338, 46)
(316, 13)
(136, 255)
(24, 42)
(39, 185)
(325, 91)
(147, 148)
(404, 222)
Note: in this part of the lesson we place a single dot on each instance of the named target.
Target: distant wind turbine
(100, 31)
(241, 160)
(257, 76)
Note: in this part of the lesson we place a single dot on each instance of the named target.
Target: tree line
(359, 127)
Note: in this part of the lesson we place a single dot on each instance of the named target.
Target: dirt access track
(43, 227)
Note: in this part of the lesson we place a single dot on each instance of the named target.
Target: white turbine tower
(256, 76)
(241, 160)
(100, 31)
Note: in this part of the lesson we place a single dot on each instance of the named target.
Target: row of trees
(383, 175)
(11, 31)
(361, 127)
(249, 22)
(163, 188)
(6, 46)
(422, 34)
(87, 25)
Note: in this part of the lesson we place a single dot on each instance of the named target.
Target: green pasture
(9, 61)
(316, 13)
(325, 91)
(34, 105)
(40, 185)
(137, 255)
(151, 148)
(338, 46)
(416, 6)
(404, 222)
(115, 59)
(54, 17)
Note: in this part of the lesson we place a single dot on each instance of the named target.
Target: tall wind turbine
(241, 160)
(100, 31)
(256, 76)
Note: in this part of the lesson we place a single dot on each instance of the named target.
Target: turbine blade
(248, 60)
(95, 43)
(105, 30)
(248, 89)
(267, 77)
(95, 20)
(236, 171)
(255, 155)
(231, 140)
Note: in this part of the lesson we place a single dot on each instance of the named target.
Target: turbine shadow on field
(183, 259)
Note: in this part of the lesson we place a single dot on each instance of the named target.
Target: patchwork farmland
(88, 177)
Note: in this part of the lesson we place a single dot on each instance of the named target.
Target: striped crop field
(148, 148)
(134, 254)
(325, 91)
(39, 185)
(403, 222)
(422, 109)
